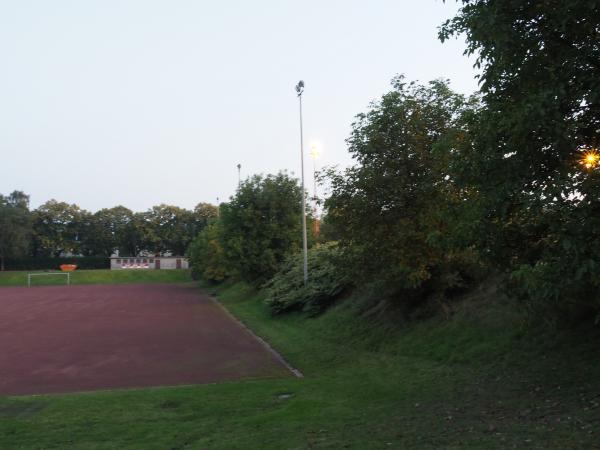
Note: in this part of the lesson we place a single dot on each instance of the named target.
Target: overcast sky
(140, 102)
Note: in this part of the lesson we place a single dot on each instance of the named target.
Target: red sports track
(80, 338)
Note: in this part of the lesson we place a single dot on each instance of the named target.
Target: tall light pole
(299, 91)
(239, 167)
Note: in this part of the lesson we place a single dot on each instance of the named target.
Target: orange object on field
(68, 267)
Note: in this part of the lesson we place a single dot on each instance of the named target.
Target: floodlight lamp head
(300, 88)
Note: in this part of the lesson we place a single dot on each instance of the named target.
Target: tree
(393, 210)
(105, 231)
(173, 228)
(261, 225)
(206, 255)
(539, 207)
(539, 63)
(18, 199)
(58, 228)
(138, 235)
(205, 213)
(15, 225)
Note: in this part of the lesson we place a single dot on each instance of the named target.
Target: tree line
(57, 228)
(447, 189)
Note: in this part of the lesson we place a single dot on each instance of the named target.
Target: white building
(148, 262)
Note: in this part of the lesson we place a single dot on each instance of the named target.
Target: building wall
(140, 263)
(171, 263)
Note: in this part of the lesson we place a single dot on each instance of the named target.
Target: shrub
(53, 263)
(286, 290)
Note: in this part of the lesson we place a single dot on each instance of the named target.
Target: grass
(19, 278)
(476, 380)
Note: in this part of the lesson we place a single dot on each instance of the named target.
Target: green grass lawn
(470, 381)
(19, 278)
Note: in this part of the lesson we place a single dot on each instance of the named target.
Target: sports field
(19, 278)
(470, 381)
(59, 339)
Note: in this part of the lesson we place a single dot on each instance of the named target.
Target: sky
(142, 102)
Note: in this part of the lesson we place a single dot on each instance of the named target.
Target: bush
(561, 288)
(286, 290)
(53, 263)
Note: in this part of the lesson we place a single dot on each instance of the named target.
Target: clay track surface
(60, 339)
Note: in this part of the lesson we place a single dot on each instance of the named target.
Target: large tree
(539, 202)
(261, 225)
(58, 228)
(15, 225)
(138, 235)
(161, 229)
(393, 210)
(205, 213)
(105, 231)
(173, 228)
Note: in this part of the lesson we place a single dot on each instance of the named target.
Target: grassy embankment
(371, 382)
(19, 278)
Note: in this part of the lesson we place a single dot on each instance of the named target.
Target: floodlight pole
(239, 167)
(299, 91)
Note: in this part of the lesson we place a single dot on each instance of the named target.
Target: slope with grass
(372, 381)
(19, 278)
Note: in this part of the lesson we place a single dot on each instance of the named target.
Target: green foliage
(167, 228)
(57, 228)
(53, 262)
(164, 228)
(206, 256)
(138, 235)
(205, 213)
(286, 291)
(60, 228)
(105, 231)
(393, 211)
(560, 283)
(15, 226)
(537, 205)
(170, 229)
(261, 226)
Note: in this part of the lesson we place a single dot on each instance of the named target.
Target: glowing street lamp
(590, 159)
(315, 149)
